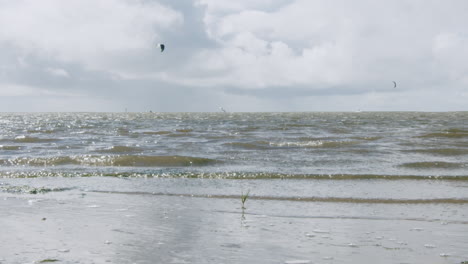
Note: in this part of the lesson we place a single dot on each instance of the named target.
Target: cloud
(226, 6)
(331, 43)
(12, 89)
(96, 33)
(450, 53)
(57, 72)
(245, 55)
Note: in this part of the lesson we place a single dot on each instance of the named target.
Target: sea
(408, 168)
(310, 145)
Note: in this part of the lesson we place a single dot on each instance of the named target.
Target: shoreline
(88, 227)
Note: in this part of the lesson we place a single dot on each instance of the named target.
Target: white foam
(297, 261)
(33, 201)
(297, 144)
(320, 231)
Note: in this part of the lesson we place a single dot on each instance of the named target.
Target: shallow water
(324, 187)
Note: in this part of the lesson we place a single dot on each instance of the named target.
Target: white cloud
(57, 72)
(18, 90)
(270, 54)
(95, 33)
(331, 43)
(11, 89)
(451, 53)
(239, 5)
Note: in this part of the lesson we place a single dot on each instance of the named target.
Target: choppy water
(219, 145)
(394, 157)
(387, 187)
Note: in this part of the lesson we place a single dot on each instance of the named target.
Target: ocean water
(222, 145)
(363, 187)
(393, 147)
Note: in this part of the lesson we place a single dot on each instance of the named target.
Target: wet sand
(81, 226)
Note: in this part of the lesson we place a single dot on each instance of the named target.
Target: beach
(233, 132)
(368, 187)
(96, 226)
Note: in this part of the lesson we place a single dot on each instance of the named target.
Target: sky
(243, 55)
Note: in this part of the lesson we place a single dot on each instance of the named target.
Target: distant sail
(161, 46)
(394, 84)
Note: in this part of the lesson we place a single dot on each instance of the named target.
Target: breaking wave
(229, 175)
(292, 144)
(121, 149)
(314, 144)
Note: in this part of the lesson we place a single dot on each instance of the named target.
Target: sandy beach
(85, 226)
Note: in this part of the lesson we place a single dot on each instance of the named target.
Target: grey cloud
(282, 92)
(254, 55)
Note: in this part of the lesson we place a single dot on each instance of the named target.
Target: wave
(433, 165)
(249, 129)
(441, 152)
(124, 161)
(449, 133)
(123, 131)
(184, 130)
(51, 161)
(296, 125)
(161, 161)
(230, 175)
(156, 132)
(26, 139)
(121, 149)
(307, 199)
(181, 133)
(291, 144)
(2, 147)
(221, 137)
(315, 144)
(367, 138)
(51, 131)
(307, 144)
(30, 190)
(252, 145)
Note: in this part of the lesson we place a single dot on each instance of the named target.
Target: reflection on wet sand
(127, 228)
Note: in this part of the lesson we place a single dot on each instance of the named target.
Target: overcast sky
(242, 55)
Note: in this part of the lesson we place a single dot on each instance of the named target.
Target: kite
(161, 46)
